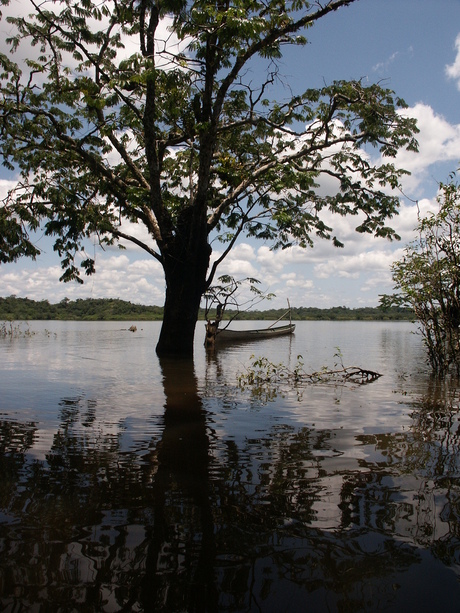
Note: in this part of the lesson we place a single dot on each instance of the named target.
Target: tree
(114, 123)
(427, 279)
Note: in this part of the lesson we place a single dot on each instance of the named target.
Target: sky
(409, 46)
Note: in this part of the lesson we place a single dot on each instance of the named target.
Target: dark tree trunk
(185, 275)
(179, 321)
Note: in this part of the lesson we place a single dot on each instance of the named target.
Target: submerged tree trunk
(185, 275)
(179, 322)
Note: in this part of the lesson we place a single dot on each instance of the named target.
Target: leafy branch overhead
(101, 134)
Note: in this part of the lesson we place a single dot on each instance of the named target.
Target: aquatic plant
(10, 329)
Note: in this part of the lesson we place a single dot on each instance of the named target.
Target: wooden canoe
(227, 336)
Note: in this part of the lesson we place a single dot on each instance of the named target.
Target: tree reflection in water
(181, 545)
(284, 522)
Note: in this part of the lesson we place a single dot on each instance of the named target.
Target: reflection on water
(129, 485)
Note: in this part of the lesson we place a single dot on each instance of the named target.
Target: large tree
(110, 123)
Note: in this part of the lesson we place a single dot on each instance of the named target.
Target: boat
(230, 336)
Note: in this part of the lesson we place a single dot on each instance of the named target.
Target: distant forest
(110, 309)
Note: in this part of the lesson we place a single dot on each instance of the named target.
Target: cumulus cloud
(380, 283)
(352, 266)
(6, 185)
(38, 281)
(271, 261)
(439, 141)
(299, 282)
(139, 281)
(409, 214)
(239, 263)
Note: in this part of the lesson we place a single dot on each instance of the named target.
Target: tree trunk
(185, 276)
(179, 322)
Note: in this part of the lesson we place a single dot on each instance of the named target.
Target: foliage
(428, 280)
(13, 308)
(115, 120)
(337, 313)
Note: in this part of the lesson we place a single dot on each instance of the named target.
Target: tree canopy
(162, 115)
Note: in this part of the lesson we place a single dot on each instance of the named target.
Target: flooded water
(130, 485)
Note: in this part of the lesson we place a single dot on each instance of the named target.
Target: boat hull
(231, 336)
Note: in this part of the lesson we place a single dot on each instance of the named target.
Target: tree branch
(137, 242)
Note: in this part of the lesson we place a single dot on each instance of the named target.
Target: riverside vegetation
(13, 308)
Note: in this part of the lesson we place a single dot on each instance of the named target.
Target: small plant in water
(265, 378)
(263, 371)
(8, 329)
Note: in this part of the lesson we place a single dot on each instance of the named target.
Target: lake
(130, 485)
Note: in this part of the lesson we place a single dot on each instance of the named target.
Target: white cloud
(38, 282)
(439, 141)
(6, 186)
(302, 283)
(139, 281)
(409, 213)
(238, 263)
(115, 263)
(384, 66)
(272, 261)
(147, 267)
(453, 70)
(352, 266)
(383, 280)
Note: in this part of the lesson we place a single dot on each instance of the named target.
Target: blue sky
(410, 46)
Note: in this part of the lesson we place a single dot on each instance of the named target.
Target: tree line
(113, 309)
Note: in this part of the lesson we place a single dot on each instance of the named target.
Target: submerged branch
(263, 376)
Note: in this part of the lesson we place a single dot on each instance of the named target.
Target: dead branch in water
(354, 374)
(263, 373)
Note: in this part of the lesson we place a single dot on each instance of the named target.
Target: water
(127, 485)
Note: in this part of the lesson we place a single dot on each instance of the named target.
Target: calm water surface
(130, 485)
